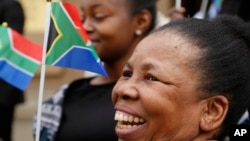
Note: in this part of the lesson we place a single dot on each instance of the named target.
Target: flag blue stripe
(14, 76)
(81, 58)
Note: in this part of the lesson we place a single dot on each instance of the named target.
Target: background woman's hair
(150, 5)
(225, 61)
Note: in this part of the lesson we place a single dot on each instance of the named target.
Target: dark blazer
(9, 95)
(12, 13)
(237, 7)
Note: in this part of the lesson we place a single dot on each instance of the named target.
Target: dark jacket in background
(12, 13)
(240, 8)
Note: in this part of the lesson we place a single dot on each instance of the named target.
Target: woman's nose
(126, 90)
(88, 25)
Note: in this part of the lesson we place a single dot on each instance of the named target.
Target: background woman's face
(158, 87)
(109, 25)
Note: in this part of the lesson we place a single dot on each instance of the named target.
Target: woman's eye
(127, 74)
(99, 16)
(151, 78)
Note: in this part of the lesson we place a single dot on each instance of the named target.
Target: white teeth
(128, 118)
(141, 120)
(122, 126)
(125, 118)
(136, 119)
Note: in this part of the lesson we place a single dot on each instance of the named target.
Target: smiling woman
(180, 84)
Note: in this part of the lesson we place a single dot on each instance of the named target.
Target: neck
(114, 73)
(207, 136)
(114, 68)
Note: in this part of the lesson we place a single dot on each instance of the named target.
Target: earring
(138, 32)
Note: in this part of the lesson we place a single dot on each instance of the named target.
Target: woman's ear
(214, 113)
(143, 21)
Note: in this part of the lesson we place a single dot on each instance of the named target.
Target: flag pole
(177, 4)
(43, 70)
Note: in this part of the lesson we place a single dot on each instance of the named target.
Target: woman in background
(83, 109)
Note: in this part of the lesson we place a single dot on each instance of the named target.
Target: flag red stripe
(26, 47)
(75, 17)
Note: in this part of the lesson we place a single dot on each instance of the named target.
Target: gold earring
(138, 32)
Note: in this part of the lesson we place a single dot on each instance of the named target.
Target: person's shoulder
(11, 6)
(14, 4)
(80, 82)
(7, 3)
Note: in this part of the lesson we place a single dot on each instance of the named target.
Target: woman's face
(156, 97)
(109, 25)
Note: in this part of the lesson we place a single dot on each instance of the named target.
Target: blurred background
(34, 30)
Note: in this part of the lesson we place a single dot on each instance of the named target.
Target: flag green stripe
(68, 35)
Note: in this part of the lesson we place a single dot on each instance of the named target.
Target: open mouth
(126, 121)
(95, 42)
